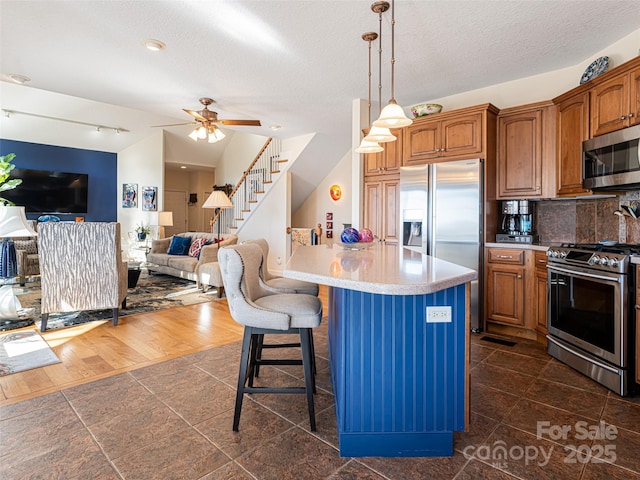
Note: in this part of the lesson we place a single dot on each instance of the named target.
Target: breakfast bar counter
(398, 346)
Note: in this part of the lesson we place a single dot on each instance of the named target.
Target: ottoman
(209, 275)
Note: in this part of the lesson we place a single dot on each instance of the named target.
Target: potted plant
(143, 231)
(5, 172)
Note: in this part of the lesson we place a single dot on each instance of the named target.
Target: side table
(134, 274)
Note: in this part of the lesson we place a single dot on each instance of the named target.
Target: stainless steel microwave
(612, 161)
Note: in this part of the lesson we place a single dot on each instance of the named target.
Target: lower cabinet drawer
(506, 255)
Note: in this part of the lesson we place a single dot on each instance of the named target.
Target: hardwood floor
(98, 349)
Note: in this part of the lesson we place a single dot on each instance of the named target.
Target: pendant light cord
(369, 37)
(379, 65)
(393, 58)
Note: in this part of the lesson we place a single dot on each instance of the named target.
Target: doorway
(176, 201)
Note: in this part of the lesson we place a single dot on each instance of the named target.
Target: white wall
(240, 152)
(270, 222)
(315, 207)
(142, 163)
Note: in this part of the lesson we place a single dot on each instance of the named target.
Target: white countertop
(381, 268)
(522, 246)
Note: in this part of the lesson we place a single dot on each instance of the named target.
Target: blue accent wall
(101, 167)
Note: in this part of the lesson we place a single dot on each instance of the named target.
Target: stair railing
(252, 183)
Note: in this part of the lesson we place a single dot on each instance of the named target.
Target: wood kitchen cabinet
(388, 161)
(459, 134)
(381, 206)
(505, 286)
(541, 291)
(615, 103)
(526, 151)
(572, 128)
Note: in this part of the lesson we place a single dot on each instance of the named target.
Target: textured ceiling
(298, 64)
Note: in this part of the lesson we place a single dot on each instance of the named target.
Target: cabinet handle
(505, 256)
(623, 117)
(637, 307)
(631, 115)
(519, 276)
(542, 261)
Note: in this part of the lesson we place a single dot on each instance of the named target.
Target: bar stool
(264, 312)
(279, 284)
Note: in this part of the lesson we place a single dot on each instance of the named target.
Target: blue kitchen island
(400, 376)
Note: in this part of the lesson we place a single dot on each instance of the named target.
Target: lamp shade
(13, 223)
(380, 135)
(369, 147)
(165, 219)
(392, 116)
(218, 199)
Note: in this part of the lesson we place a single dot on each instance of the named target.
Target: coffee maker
(516, 222)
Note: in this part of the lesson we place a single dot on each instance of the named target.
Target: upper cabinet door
(462, 135)
(634, 113)
(422, 141)
(610, 105)
(520, 154)
(572, 130)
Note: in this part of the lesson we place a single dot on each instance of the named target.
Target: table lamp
(165, 219)
(13, 223)
(218, 199)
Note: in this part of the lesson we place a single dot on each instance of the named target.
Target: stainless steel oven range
(591, 307)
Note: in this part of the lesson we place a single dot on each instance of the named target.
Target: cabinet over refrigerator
(441, 214)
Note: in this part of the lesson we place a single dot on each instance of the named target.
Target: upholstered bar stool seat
(281, 284)
(262, 311)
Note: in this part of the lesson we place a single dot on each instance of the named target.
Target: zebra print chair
(81, 268)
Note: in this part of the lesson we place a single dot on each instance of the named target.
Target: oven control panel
(604, 261)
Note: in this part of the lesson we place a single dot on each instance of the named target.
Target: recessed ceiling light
(17, 78)
(154, 45)
(275, 127)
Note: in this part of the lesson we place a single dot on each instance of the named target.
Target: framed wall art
(150, 199)
(129, 195)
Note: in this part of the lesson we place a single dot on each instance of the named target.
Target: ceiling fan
(207, 121)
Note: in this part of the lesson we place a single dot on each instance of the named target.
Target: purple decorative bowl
(366, 235)
(350, 235)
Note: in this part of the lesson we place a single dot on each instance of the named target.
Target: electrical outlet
(438, 314)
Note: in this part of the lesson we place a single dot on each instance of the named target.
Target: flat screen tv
(42, 191)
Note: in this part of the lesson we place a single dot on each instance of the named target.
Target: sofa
(186, 266)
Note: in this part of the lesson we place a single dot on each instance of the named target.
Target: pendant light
(392, 116)
(369, 146)
(380, 134)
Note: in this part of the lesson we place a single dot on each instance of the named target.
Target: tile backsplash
(587, 220)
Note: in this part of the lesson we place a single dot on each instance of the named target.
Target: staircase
(252, 187)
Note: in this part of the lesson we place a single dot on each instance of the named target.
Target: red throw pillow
(196, 245)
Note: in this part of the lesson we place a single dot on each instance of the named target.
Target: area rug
(153, 292)
(20, 351)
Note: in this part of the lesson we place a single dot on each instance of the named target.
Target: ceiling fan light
(392, 116)
(215, 135)
(369, 147)
(380, 135)
(202, 133)
(194, 135)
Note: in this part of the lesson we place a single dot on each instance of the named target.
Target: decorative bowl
(355, 246)
(423, 109)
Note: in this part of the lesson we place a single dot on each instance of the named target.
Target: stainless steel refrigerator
(441, 214)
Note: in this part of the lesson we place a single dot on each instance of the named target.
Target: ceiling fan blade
(174, 124)
(252, 123)
(195, 114)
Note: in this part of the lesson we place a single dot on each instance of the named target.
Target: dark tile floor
(531, 418)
